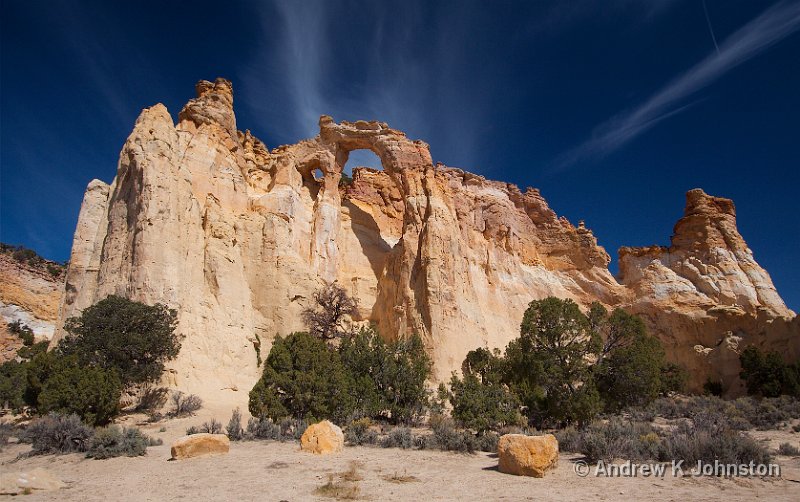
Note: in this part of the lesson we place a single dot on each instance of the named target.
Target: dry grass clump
(346, 487)
(400, 478)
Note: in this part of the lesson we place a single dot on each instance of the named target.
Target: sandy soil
(279, 471)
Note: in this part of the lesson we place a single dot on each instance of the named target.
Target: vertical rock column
(327, 218)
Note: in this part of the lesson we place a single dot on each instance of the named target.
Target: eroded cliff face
(204, 218)
(29, 294)
(706, 297)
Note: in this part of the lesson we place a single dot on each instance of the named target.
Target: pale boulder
(323, 437)
(15, 483)
(197, 445)
(527, 455)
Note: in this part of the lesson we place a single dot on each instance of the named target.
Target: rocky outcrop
(237, 237)
(198, 445)
(30, 293)
(705, 296)
(321, 438)
(523, 455)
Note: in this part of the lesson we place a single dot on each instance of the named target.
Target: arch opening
(362, 158)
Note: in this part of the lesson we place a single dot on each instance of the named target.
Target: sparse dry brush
(707, 437)
(788, 450)
(344, 485)
(184, 405)
(57, 434)
(115, 441)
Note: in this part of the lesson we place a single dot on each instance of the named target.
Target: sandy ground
(272, 471)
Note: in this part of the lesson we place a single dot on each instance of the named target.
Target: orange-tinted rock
(197, 445)
(527, 455)
(323, 437)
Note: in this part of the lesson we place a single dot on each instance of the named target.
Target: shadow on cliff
(368, 233)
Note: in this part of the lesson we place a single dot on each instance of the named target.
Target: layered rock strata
(236, 237)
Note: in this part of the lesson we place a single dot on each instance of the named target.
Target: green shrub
(264, 428)
(130, 337)
(629, 371)
(487, 442)
(387, 378)
(26, 353)
(92, 393)
(363, 356)
(234, 427)
(710, 442)
(13, 384)
(399, 437)
(446, 437)
(304, 379)
(615, 439)
(114, 441)
(481, 400)
(713, 388)
(54, 270)
(768, 375)
(7, 429)
(548, 364)
(25, 255)
(483, 405)
(22, 331)
(360, 432)
(57, 434)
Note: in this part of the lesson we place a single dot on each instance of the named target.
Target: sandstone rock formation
(706, 297)
(28, 294)
(197, 445)
(527, 455)
(321, 438)
(237, 237)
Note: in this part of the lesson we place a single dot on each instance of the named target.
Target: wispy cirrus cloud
(368, 61)
(769, 28)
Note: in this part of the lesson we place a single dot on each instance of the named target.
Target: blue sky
(614, 108)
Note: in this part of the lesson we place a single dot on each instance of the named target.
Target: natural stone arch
(396, 152)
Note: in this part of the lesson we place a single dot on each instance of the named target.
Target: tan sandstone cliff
(29, 294)
(706, 297)
(203, 217)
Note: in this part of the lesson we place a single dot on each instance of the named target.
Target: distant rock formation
(706, 297)
(236, 237)
(30, 294)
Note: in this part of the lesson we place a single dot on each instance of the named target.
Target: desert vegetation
(31, 258)
(306, 378)
(596, 379)
(60, 434)
(113, 346)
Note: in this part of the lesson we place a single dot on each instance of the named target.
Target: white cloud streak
(769, 28)
(391, 68)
